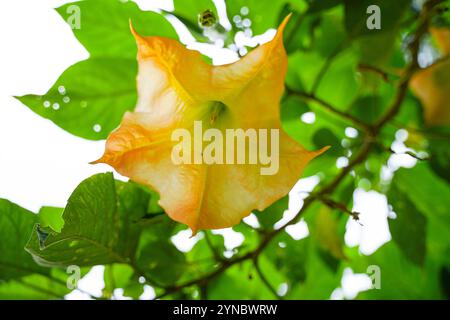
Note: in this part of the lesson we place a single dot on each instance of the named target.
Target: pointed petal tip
(96, 161)
(100, 160)
(282, 26)
(320, 151)
(194, 233)
(284, 22)
(133, 31)
(137, 36)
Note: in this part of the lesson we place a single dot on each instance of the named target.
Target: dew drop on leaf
(97, 128)
(62, 90)
(247, 23)
(308, 117)
(351, 132)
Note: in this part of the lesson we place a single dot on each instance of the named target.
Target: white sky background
(41, 164)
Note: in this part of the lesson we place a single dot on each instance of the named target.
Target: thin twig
(383, 74)
(264, 279)
(340, 206)
(409, 153)
(327, 106)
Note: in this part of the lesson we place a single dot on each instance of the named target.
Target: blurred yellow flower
(432, 84)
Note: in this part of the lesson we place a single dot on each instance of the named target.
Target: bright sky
(41, 164)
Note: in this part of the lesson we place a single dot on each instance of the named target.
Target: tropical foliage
(366, 93)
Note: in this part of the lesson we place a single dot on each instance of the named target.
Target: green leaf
(201, 258)
(157, 257)
(339, 86)
(105, 26)
(243, 279)
(117, 276)
(440, 152)
(99, 90)
(98, 226)
(51, 217)
(16, 224)
(325, 230)
(289, 256)
(268, 217)
(33, 287)
(320, 279)
(325, 136)
(162, 262)
(429, 193)
(330, 34)
(409, 228)
(316, 6)
(367, 108)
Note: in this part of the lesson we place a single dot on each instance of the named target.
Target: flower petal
(255, 84)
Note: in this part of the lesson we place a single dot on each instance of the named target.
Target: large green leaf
(157, 257)
(16, 224)
(96, 93)
(20, 276)
(33, 286)
(105, 26)
(409, 228)
(439, 151)
(429, 193)
(99, 226)
(162, 262)
(90, 98)
(421, 200)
